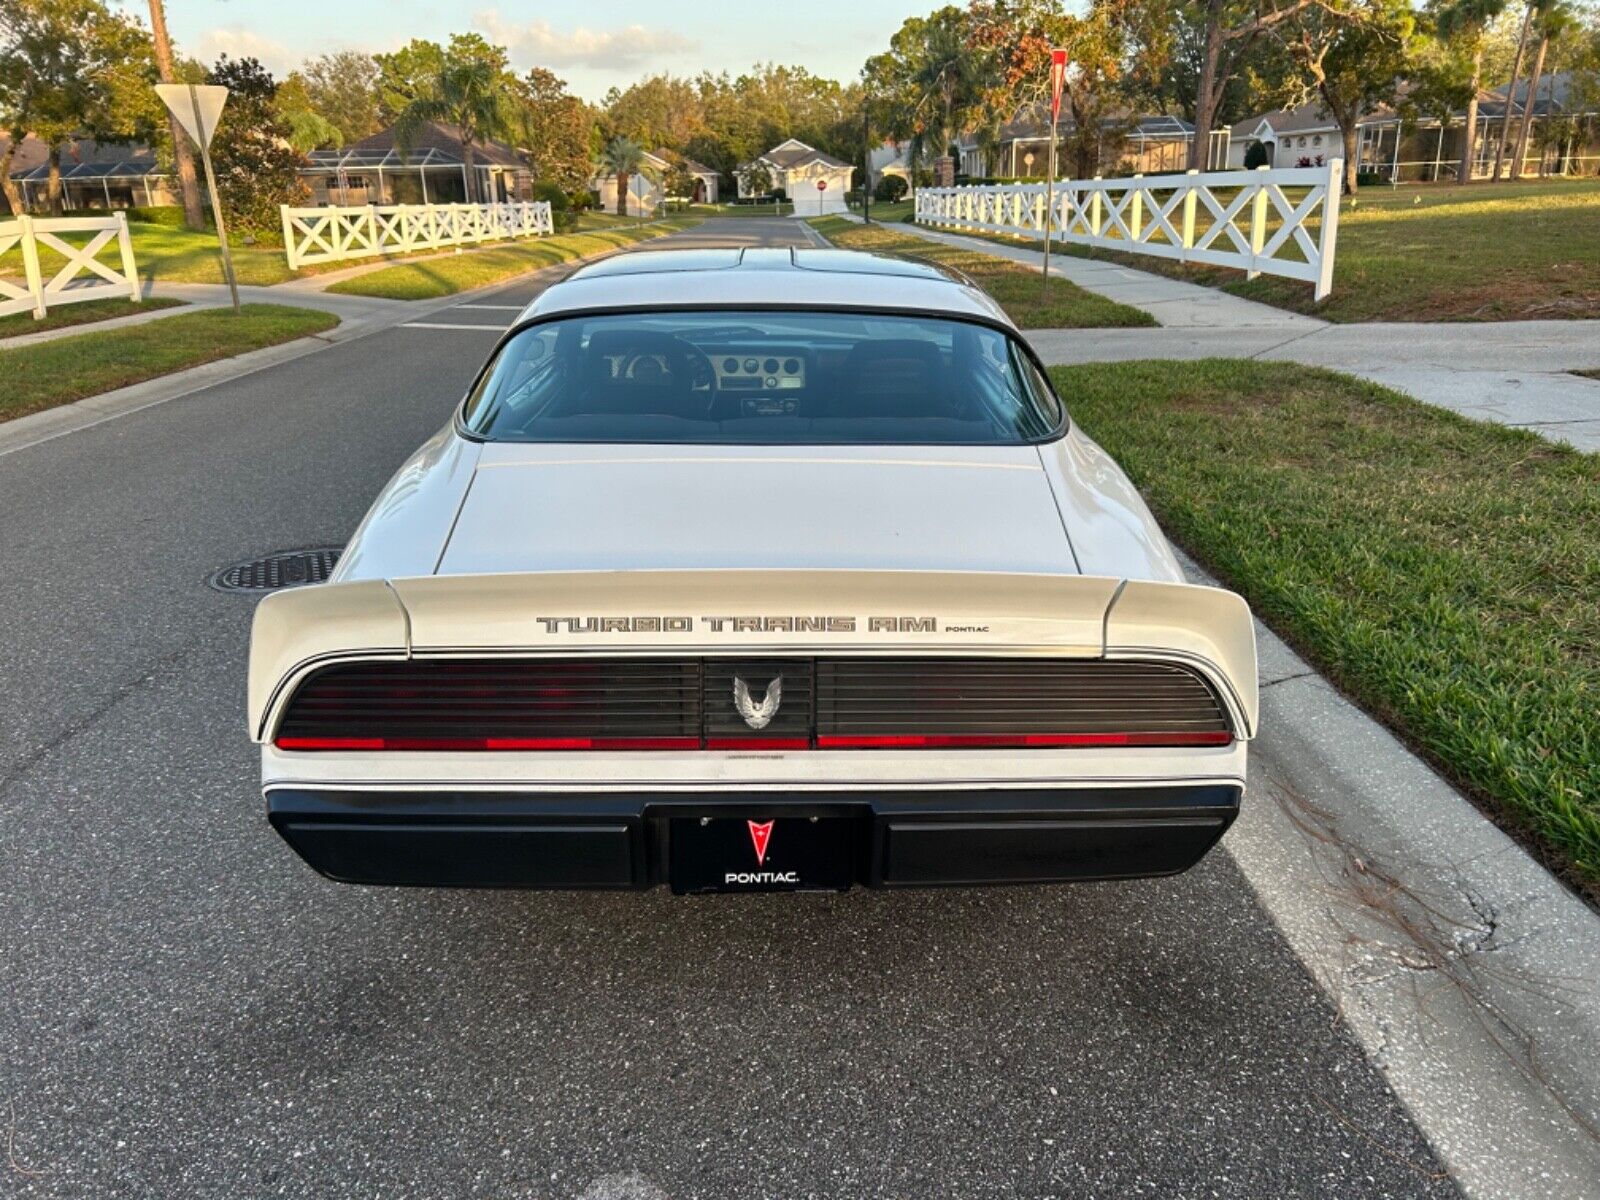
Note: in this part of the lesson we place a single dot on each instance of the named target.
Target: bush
(1369, 179)
(889, 189)
(779, 195)
(561, 215)
(1256, 155)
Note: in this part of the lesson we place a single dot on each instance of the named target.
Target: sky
(593, 45)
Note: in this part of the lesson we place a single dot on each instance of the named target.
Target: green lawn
(890, 213)
(1485, 252)
(1444, 573)
(79, 314)
(453, 273)
(172, 255)
(70, 368)
(1018, 289)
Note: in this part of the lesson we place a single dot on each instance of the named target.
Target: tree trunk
(188, 182)
(1206, 92)
(622, 193)
(1347, 133)
(1511, 90)
(468, 162)
(52, 191)
(1464, 174)
(13, 193)
(1527, 109)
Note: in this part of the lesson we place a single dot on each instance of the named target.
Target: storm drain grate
(292, 568)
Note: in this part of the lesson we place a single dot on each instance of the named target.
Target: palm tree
(1511, 88)
(623, 158)
(1554, 21)
(469, 95)
(1470, 17)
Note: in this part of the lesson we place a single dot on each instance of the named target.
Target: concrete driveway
(191, 1012)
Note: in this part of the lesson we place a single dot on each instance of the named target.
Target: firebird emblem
(760, 834)
(757, 716)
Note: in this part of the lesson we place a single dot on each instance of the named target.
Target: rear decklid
(563, 507)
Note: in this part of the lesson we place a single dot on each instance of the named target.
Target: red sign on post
(1058, 75)
(822, 185)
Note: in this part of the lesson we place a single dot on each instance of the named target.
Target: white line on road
(500, 307)
(446, 325)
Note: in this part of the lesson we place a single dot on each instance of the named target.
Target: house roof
(82, 159)
(439, 137)
(665, 156)
(1028, 127)
(794, 153)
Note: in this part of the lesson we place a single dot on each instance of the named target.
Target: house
(1156, 144)
(644, 187)
(432, 169)
(889, 159)
(1422, 148)
(92, 175)
(815, 182)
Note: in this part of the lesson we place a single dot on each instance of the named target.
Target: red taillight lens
(488, 743)
(1019, 741)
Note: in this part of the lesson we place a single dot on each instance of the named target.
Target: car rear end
(751, 730)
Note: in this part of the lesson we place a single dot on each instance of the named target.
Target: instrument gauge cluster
(774, 369)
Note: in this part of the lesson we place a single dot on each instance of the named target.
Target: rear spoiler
(751, 611)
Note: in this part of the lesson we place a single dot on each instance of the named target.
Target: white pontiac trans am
(747, 571)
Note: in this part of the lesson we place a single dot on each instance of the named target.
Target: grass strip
(447, 275)
(1443, 572)
(66, 369)
(1016, 287)
(90, 311)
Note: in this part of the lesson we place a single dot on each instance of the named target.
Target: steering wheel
(665, 359)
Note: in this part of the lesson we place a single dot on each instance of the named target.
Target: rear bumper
(620, 840)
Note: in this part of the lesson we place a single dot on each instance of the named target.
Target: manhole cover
(292, 568)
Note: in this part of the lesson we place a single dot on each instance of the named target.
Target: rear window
(766, 377)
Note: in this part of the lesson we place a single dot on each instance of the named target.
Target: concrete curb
(1470, 976)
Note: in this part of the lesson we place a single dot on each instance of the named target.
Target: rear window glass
(767, 377)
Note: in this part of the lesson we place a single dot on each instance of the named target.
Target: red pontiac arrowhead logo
(760, 834)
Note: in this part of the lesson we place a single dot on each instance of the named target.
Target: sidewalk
(1510, 372)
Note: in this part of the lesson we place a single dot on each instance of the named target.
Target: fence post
(1189, 198)
(1258, 226)
(1329, 234)
(30, 265)
(1136, 208)
(129, 268)
(290, 250)
(1094, 209)
(374, 238)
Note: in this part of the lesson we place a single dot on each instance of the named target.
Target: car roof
(751, 277)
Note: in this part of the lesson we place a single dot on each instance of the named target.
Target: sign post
(1058, 75)
(196, 107)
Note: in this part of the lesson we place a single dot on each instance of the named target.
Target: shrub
(889, 189)
(169, 215)
(1256, 155)
(561, 214)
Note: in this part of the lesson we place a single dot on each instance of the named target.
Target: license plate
(767, 854)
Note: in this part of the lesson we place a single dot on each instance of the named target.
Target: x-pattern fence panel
(332, 233)
(83, 277)
(1264, 222)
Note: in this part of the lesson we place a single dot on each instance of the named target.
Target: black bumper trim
(619, 840)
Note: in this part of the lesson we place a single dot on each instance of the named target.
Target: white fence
(328, 234)
(76, 281)
(1281, 221)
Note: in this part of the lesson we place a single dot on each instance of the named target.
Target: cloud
(538, 44)
(238, 42)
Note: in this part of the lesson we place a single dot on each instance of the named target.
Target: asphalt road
(186, 1010)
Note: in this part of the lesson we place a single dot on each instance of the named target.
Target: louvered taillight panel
(505, 700)
(785, 704)
(876, 696)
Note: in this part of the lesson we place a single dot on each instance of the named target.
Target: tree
(757, 179)
(1353, 58)
(73, 67)
(1469, 20)
(678, 181)
(930, 83)
(470, 93)
(624, 159)
(555, 128)
(1555, 21)
(1511, 88)
(257, 167)
(182, 150)
(308, 129)
(342, 89)
(1227, 33)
